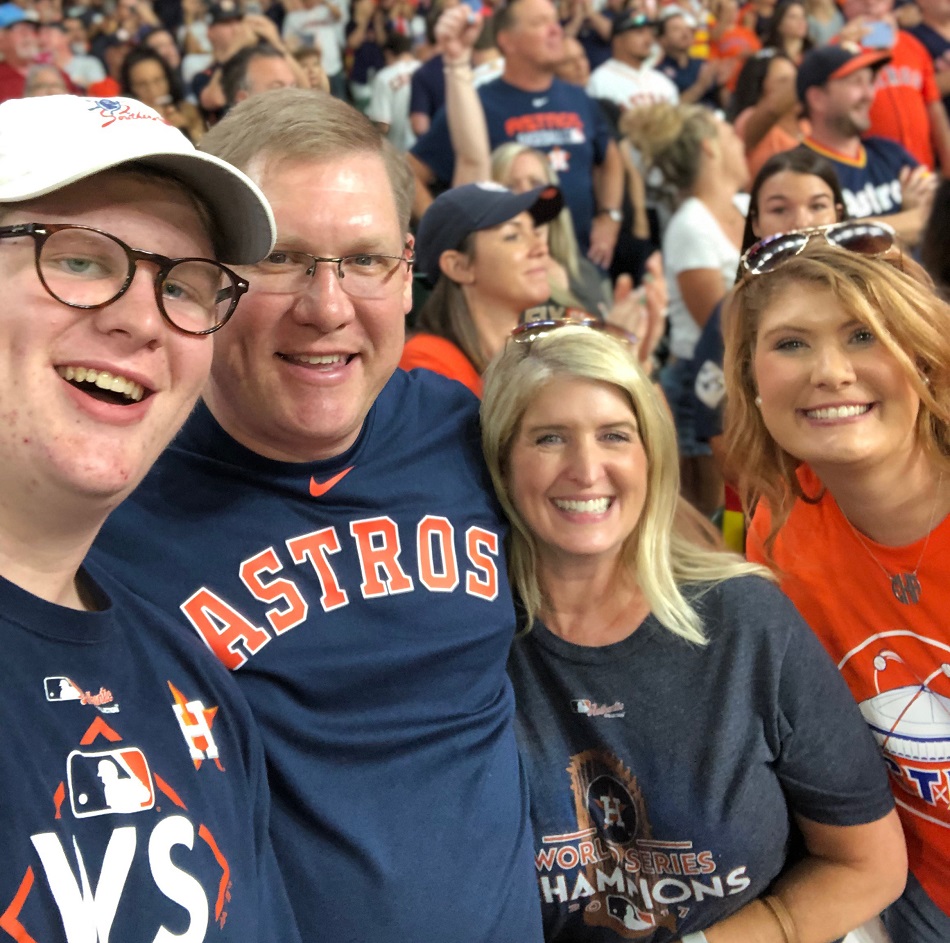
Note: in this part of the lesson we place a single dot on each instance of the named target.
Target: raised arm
(455, 35)
(918, 186)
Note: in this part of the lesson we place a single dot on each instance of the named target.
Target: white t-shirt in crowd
(389, 101)
(630, 88)
(693, 240)
(317, 27)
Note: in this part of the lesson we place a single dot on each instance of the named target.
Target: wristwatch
(615, 215)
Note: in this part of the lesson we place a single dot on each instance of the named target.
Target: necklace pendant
(906, 588)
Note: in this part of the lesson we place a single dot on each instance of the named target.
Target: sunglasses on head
(530, 331)
(857, 235)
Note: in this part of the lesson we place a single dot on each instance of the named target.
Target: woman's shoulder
(747, 609)
(431, 352)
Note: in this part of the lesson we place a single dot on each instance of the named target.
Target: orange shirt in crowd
(903, 90)
(440, 356)
(736, 43)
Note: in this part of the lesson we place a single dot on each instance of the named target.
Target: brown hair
(907, 318)
(445, 313)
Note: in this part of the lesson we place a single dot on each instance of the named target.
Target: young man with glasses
(326, 526)
(134, 787)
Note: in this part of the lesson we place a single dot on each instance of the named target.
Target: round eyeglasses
(366, 275)
(84, 267)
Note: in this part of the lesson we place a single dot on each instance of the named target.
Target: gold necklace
(905, 586)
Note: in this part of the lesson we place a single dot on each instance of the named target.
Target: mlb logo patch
(111, 782)
(61, 688)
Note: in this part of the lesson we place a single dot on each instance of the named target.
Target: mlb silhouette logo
(113, 782)
(60, 688)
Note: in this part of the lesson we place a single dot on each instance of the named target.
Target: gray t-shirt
(664, 775)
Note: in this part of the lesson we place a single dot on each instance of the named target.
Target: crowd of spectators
(652, 117)
(616, 134)
(383, 56)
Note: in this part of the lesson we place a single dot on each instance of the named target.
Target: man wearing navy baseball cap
(879, 178)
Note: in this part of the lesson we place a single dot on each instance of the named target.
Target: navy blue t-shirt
(564, 122)
(427, 88)
(665, 776)
(684, 77)
(871, 184)
(597, 48)
(362, 605)
(134, 797)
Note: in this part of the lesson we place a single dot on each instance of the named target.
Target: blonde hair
(909, 321)
(562, 240)
(662, 553)
(293, 124)
(670, 138)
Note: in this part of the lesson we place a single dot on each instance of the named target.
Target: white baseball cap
(47, 143)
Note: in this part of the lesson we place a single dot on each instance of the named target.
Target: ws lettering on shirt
(134, 801)
(870, 182)
(362, 605)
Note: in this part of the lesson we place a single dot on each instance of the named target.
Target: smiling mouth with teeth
(317, 360)
(838, 412)
(102, 385)
(591, 506)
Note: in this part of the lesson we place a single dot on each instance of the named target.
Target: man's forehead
(362, 172)
(532, 11)
(269, 169)
(853, 8)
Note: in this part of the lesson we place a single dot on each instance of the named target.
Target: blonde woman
(677, 721)
(575, 280)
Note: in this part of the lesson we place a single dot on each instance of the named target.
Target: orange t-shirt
(895, 657)
(775, 141)
(440, 356)
(737, 44)
(902, 91)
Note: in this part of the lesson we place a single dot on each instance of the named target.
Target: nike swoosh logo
(319, 488)
(539, 102)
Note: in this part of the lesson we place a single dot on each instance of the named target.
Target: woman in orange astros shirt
(838, 370)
